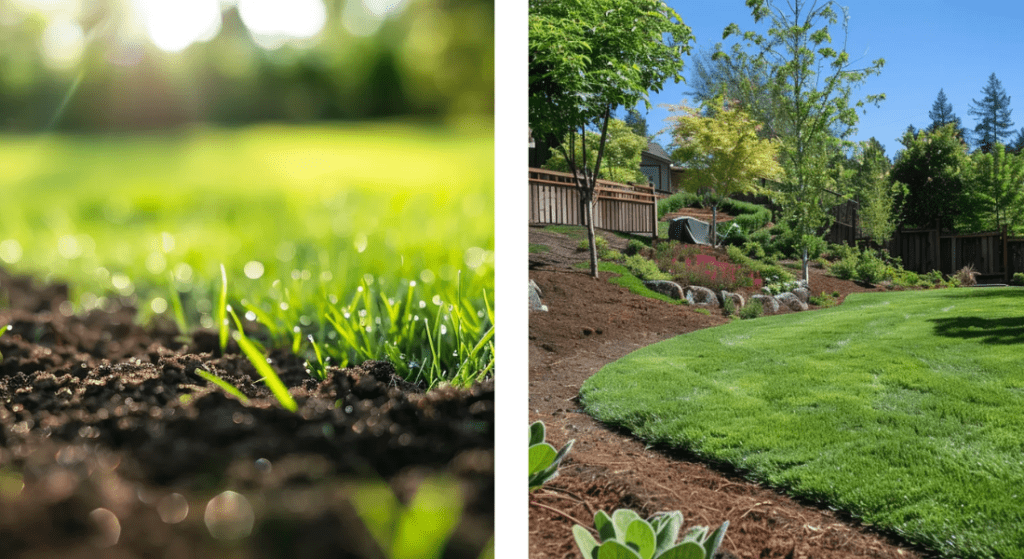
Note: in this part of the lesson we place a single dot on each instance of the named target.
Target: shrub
(966, 276)
(870, 268)
(544, 460)
(1017, 279)
(634, 247)
(625, 534)
(708, 271)
(728, 307)
(677, 201)
(753, 309)
(703, 311)
(753, 250)
(824, 300)
(905, 278)
(933, 277)
(643, 268)
(612, 255)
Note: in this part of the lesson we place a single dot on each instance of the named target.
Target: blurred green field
(371, 240)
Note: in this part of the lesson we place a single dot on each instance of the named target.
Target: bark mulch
(591, 323)
(112, 446)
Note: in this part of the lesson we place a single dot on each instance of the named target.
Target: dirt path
(591, 323)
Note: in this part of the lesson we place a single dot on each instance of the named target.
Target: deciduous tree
(811, 84)
(935, 168)
(621, 153)
(999, 187)
(722, 152)
(589, 57)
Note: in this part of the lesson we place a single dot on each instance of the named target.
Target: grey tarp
(690, 230)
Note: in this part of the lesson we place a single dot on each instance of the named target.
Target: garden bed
(112, 446)
(591, 323)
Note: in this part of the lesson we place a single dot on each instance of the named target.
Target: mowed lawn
(374, 239)
(905, 409)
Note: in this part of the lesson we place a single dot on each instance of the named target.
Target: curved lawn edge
(900, 408)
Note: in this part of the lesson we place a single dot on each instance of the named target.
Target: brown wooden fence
(994, 255)
(556, 199)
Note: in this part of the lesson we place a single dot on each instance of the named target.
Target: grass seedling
(2, 330)
(417, 531)
(223, 384)
(255, 356)
(318, 371)
(222, 318)
(179, 310)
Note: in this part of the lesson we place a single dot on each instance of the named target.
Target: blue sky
(927, 45)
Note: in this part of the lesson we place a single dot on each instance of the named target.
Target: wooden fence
(556, 199)
(994, 255)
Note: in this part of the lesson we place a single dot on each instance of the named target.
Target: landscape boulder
(701, 296)
(802, 293)
(666, 288)
(792, 301)
(535, 303)
(737, 300)
(769, 304)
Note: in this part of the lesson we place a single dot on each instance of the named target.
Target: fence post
(1006, 267)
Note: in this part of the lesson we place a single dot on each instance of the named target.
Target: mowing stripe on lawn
(905, 409)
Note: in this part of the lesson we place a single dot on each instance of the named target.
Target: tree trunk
(714, 226)
(807, 277)
(591, 235)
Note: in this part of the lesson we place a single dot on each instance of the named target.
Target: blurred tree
(638, 124)
(993, 112)
(880, 199)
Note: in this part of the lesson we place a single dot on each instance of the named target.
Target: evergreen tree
(993, 112)
(942, 114)
(1017, 145)
(637, 123)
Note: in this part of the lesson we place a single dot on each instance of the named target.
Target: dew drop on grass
(480, 314)
(444, 329)
(412, 283)
(333, 299)
(360, 242)
(250, 316)
(284, 306)
(368, 278)
(296, 329)
(253, 269)
(423, 304)
(436, 300)
(172, 508)
(229, 516)
(347, 315)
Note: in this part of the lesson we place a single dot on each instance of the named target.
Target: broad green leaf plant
(625, 535)
(544, 459)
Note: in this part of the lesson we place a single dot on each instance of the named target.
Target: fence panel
(556, 199)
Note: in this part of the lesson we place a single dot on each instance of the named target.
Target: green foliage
(626, 279)
(644, 269)
(810, 85)
(903, 393)
(935, 168)
(823, 300)
(1017, 279)
(702, 311)
(588, 57)
(626, 535)
(868, 183)
(255, 356)
(999, 189)
(933, 277)
(870, 268)
(722, 152)
(544, 459)
(942, 114)
(418, 530)
(728, 307)
(769, 273)
(751, 310)
(635, 247)
(621, 161)
(752, 250)
(677, 201)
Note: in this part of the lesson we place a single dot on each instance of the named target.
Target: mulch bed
(591, 323)
(111, 446)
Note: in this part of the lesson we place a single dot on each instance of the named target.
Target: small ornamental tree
(722, 152)
(999, 187)
(589, 57)
(935, 168)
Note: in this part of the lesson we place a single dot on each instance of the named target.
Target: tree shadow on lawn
(1003, 331)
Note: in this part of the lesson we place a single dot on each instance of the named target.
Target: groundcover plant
(219, 339)
(902, 409)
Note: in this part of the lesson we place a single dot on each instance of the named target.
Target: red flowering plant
(704, 266)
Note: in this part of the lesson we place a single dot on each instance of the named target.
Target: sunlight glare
(364, 17)
(272, 23)
(173, 26)
(63, 43)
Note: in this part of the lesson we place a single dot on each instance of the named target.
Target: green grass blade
(222, 317)
(223, 384)
(179, 310)
(255, 356)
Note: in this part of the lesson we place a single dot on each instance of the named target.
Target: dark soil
(591, 323)
(111, 445)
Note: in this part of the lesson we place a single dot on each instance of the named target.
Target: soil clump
(112, 446)
(591, 323)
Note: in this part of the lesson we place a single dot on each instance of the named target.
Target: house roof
(655, 149)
